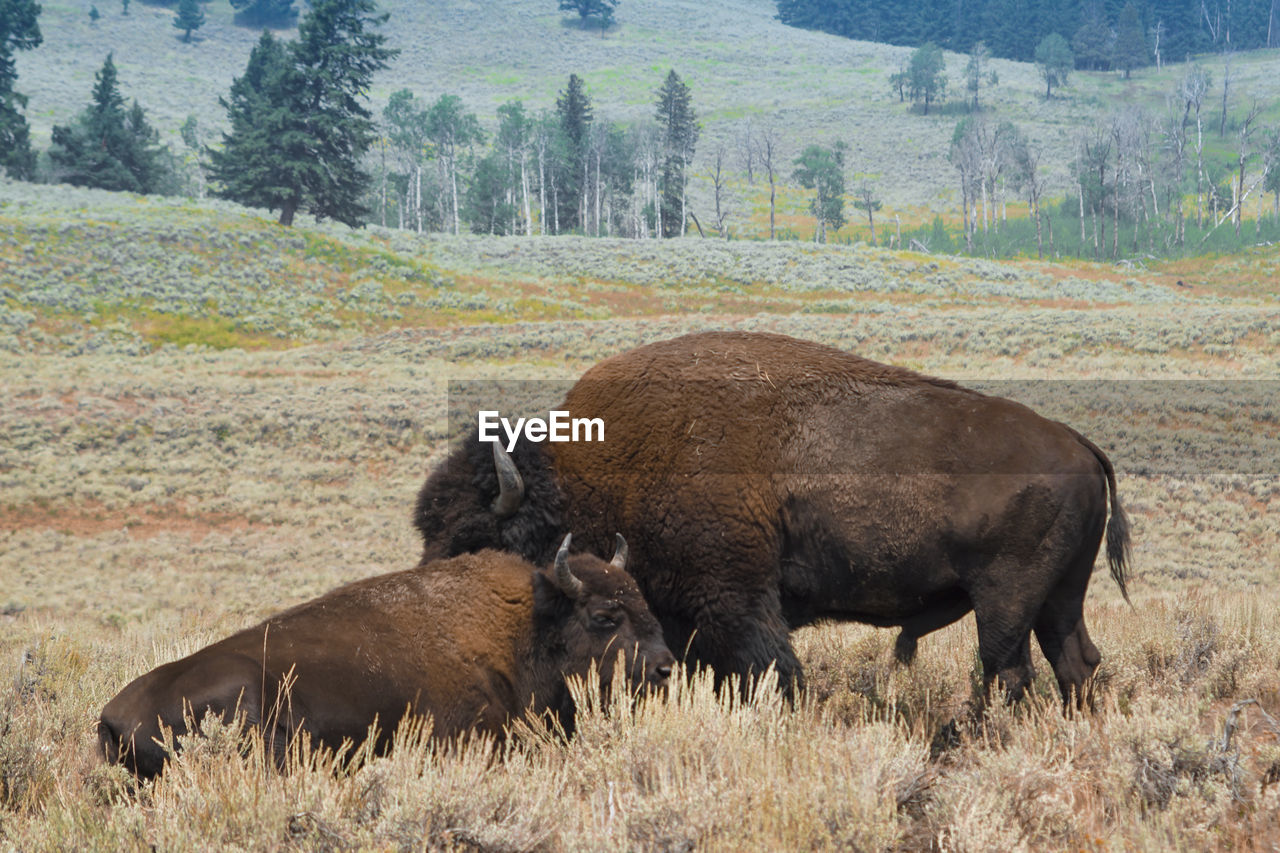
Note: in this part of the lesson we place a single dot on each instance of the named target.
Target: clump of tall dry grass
(1175, 756)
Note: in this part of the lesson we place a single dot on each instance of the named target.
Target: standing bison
(767, 482)
(473, 641)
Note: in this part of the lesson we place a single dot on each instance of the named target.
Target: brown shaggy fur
(473, 641)
(765, 482)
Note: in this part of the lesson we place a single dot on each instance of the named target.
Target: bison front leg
(746, 646)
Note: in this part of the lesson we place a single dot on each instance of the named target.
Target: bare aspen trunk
(1226, 85)
(1199, 169)
(1115, 224)
(524, 189)
(1237, 198)
(1080, 187)
(384, 186)
(684, 197)
(773, 203)
(584, 200)
(1035, 211)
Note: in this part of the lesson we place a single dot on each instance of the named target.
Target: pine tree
(256, 165)
(263, 13)
(927, 75)
(1130, 48)
(599, 9)
(679, 128)
(1093, 41)
(305, 152)
(573, 107)
(189, 18)
(108, 146)
(1054, 61)
(19, 30)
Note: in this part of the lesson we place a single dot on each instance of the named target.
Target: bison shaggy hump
(766, 482)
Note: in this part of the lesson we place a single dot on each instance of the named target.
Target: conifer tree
(306, 150)
(1054, 61)
(189, 18)
(264, 13)
(927, 74)
(255, 165)
(573, 107)
(599, 9)
(1130, 48)
(679, 128)
(108, 146)
(19, 30)
(1093, 41)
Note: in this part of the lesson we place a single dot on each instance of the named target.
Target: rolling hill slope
(739, 61)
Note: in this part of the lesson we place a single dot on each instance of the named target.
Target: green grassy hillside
(739, 62)
(86, 269)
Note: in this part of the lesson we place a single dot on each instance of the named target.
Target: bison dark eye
(605, 620)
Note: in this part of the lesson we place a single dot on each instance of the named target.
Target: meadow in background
(205, 418)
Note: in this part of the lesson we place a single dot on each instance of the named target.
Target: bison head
(482, 497)
(592, 610)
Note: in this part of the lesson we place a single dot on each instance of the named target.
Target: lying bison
(766, 482)
(474, 641)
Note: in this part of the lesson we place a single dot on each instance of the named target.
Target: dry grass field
(187, 447)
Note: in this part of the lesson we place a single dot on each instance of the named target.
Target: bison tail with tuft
(1118, 556)
(1118, 542)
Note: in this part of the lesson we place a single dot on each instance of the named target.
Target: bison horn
(619, 560)
(510, 484)
(568, 584)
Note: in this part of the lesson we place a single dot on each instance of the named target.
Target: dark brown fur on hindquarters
(473, 641)
(766, 482)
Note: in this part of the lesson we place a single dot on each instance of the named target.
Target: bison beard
(766, 482)
(473, 641)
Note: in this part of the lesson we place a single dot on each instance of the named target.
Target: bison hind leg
(1065, 641)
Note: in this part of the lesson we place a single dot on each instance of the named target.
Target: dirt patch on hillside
(140, 522)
